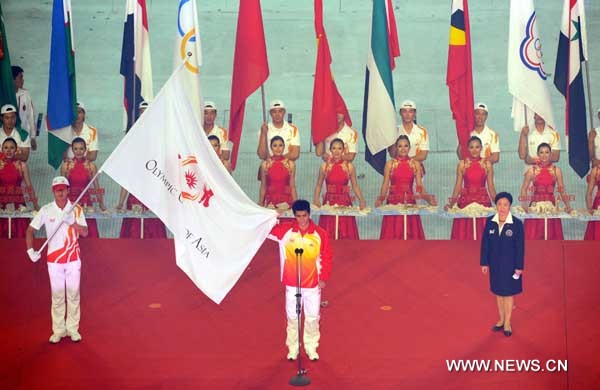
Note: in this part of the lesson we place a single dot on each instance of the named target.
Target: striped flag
(136, 67)
(250, 67)
(568, 79)
(62, 95)
(526, 74)
(379, 113)
(327, 101)
(188, 49)
(7, 86)
(459, 74)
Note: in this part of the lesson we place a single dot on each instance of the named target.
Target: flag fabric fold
(136, 67)
(379, 113)
(188, 50)
(7, 86)
(250, 68)
(526, 74)
(327, 101)
(62, 95)
(459, 74)
(568, 79)
(217, 228)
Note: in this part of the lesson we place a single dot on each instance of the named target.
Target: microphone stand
(300, 379)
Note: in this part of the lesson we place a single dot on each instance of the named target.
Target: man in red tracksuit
(315, 269)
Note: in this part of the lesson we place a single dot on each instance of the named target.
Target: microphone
(298, 251)
(289, 117)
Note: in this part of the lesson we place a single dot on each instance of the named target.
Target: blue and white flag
(136, 67)
(568, 79)
(526, 74)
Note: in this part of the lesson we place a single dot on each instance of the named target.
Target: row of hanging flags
(181, 179)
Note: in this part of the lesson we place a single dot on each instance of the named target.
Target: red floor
(397, 312)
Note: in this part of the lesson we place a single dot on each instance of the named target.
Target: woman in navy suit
(502, 252)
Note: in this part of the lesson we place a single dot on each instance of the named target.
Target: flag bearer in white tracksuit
(64, 262)
(315, 268)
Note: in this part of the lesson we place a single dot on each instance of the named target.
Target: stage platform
(397, 312)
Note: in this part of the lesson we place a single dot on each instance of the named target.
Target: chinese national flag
(327, 101)
(250, 67)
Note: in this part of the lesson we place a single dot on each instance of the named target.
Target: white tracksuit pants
(64, 278)
(311, 303)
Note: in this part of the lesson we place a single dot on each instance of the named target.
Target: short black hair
(78, 140)
(16, 70)
(10, 139)
(301, 205)
(213, 137)
(476, 139)
(503, 195)
(544, 145)
(277, 138)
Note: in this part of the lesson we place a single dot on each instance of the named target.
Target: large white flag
(188, 49)
(526, 74)
(166, 162)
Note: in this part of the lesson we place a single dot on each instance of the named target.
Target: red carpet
(394, 318)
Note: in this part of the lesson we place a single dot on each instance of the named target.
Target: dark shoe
(508, 333)
(497, 328)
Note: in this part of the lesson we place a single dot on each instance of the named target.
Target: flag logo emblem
(188, 37)
(190, 192)
(531, 49)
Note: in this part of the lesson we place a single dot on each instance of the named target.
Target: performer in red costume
(337, 173)
(399, 177)
(277, 177)
(13, 173)
(544, 177)
(474, 184)
(80, 171)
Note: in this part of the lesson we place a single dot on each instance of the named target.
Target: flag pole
(262, 95)
(589, 93)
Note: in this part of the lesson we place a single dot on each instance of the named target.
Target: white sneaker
(56, 337)
(292, 355)
(312, 354)
(75, 336)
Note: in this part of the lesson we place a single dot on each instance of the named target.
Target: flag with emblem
(379, 112)
(568, 79)
(459, 73)
(189, 51)
(526, 72)
(216, 226)
(136, 67)
(62, 91)
(327, 101)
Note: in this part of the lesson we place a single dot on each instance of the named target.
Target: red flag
(250, 67)
(393, 42)
(459, 77)
(327, 101)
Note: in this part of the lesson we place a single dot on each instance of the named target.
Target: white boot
(291, 339)
(311, 337)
